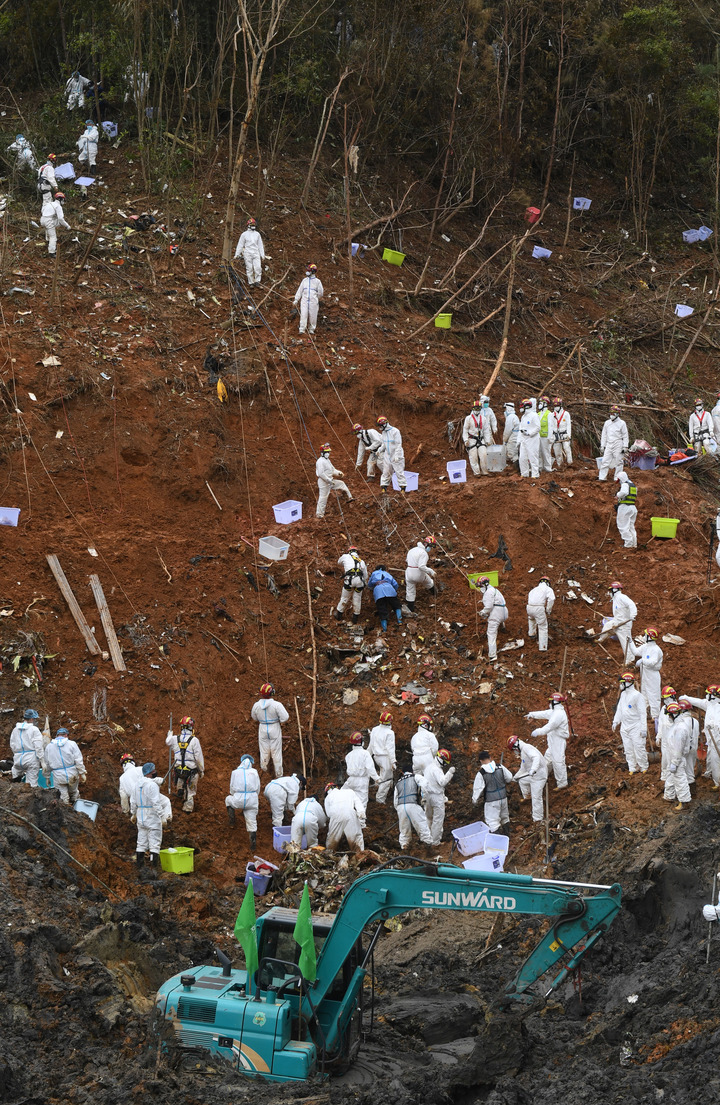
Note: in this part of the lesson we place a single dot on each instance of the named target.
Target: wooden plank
(107, 623)
(74, 607)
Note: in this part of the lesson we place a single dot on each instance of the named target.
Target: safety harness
(476, 441)
(354, 575)
(630, 496)
(558, 434)
(183, 773)
(407, 790)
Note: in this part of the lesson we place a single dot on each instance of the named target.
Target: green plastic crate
(181, 861)
(492, 576)
(393, 256)
(444, 322)
(664, 527)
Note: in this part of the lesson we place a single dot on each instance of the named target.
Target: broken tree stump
(73, 605)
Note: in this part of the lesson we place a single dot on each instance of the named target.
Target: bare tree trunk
(553, 139)
(322, 132)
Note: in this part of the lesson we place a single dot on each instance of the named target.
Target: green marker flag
(303, 935)
(246, 933)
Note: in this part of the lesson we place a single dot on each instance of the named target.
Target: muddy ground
(112, 450)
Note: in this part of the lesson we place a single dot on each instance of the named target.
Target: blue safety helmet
(30, 715)
(61, 733)
(147, 769)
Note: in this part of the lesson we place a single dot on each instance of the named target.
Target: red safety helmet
(627, 677)
(52, 157)
(357, 428)
(444, 756)
(312, 268)
(59, 195)
(325, 448)
(615, 586)
(544, 579)
(187, 722)
(251, 222)
(614, 409)
(382, 420)
(712, 689)
(477, 405)
(525, 403)
(424, 719)
(483, 582)
(330, 786)
(685, 705)
(513, 741)
(267, 690)
(699, 403)
(668, 692)
(356, 738)
(127, 757)
(557, 699)
(429, 540)
(674, 708)
(652, 633)
(557, 401)
(385, 717)
(544, 399)
(352, 548)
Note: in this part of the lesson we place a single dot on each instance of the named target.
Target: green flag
(303, 935)
(246, 933)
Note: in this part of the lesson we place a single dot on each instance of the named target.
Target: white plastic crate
(457, 471)
(9, 515)
(496, 458)
(581, 203)
(287, 512)
(273, 548)
(110, 129)
(691, 235)
(281, 838)
(89, 808)
(541, 254)
(411, 480)
(683, 311)
(484, 863)
(704, 233)
(470, 839)
(496, 842)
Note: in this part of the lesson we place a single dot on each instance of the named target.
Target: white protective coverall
(75, 91)
(496, 612)
(51, 217)
(510, 433)
(25, 157)
(715, 412)
(87, 143)
(491, 780)
(701, 430)
(631, 716)
(424, 746)
(691, 754)
(382, 750)
(192, 759)
(64, 759)
(393, 459)
(678, 737)
(147, 808)
(541, 600)
(650, 661)
(47, 183)
(624, 612)
(326, 474)
(270, 715)
(245, 792)
(711, 729)
(346, 817)
(529, 438)
(626, 512)
(139, 81)
(717, 534)
(309, 818)
(545, 439)
(557, 731)
(355, 577)
(532, 777)
(433, 782)
(360, 768)
(371, 443)
(411, 815)
(27, 747)
(474, 443)
(560, 432)
(308, 296)
(417, 571)
(250, 248)
(131, 774)
(282, 794)
(613, 442)
(489, 426)
(664, 722)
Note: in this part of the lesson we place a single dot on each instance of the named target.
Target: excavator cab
(277, 945)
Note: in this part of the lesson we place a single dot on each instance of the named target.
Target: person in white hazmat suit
(418, 570)
(545, 436)
(75, 90)
(346, 818)
(47, 182)
(327, 480)
(411, 815)
(370, 444)
(715, 413)
(309, 818)
(147, 813)
(692, 748)
(667, 696)
(393, 460)
(624, 612)
(557, 731)
(308, 296)
(28, 749)
(282, 794)
(244, 796)
(649, 658)
(614, 442)
(423, 745)
(188, 762)
(560, 432)
(511, 432)
(540, 602)
(355, 577)
(51, 217)
(710, 706)
(432, 783)
(382, 750)
(626, 506)
(677, 786)
(25, 158)
(717, 535)
(360, 768)
(701, 429)
(529, 438)
(64, 759)
(531, 775)
(631, 718)
(474, 441)
(489, 425)
(250, 248)
(270, 715)
(494, 611)
(87, 144)
(491, 780)
(131, 775)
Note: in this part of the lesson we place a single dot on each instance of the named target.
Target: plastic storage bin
(457, 471)
(664, 527)
(43, 783)
(393, 256)
(287, 512)
(496, 458)
(645, 464)
(532, 214)
(444, 322)
(181, 861)
(281, 838)
(9, 515)
(260, 882)
(492, 576)
(704, 233)
(90, 808)
(273, 548)
(484, 863)
(581, 203)
(65, 171)
(411, 481)
(683, 311)
(470, 839)
(541, 254)
(496, 842)
(111, 129)
(688, 235)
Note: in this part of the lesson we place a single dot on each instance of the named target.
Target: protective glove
(711, 913)
(451, 772)
(638, 663)
(133, 819)
(341, 474)
(294, 313)
(83, 778)
(673, 768)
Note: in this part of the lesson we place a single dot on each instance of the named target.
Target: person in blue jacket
(385, 593)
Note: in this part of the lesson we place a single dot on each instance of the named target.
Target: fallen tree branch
(385, 219)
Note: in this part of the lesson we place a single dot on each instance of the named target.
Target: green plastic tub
(444, 322)
(393, 257)
(664, 527)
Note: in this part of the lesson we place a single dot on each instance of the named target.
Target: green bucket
(443, 322)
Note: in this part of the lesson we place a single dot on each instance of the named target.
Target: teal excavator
(279, 1026)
